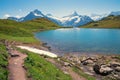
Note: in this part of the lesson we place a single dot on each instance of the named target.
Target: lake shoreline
(81, 40)
(87, 64)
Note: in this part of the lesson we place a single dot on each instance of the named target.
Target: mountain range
(72, 20)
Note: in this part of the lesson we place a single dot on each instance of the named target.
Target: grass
(81, 73)
(40, 69)
(108, 22)
(23, 31)
(3, 62)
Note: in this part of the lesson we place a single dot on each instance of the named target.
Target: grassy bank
(40, 69)
(3, 62)
(23, 31)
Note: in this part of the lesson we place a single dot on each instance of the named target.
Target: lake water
(82, 40)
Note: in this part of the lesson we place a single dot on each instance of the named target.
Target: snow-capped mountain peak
(36, 12)
(97, 17)
(74, 19)
(74, 14)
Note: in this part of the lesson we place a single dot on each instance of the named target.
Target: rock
(84, 58)
(114, 64)
(105, 70)
(96, 68)
(58, 59)
(14, 55)
(44, 44)
(88, 61)
(117, 69)
(65, 72)
(102, 69)
(67, 64)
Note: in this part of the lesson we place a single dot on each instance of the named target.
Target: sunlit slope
(13, 30)
(108, 22)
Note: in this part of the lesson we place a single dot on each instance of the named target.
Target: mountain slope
(97, 17)
(73, 19)
(108, 22)
(13, 30)
(33, 15)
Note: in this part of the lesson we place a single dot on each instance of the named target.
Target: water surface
(82, 40)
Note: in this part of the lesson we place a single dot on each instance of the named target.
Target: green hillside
(23, 31)
(108, 22)
(3, 62)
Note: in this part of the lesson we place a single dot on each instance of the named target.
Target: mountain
(33, 15)
(54, 19)
(16, 19)
(73, 19)
(117, 13)
(107, 22)
(97, 17)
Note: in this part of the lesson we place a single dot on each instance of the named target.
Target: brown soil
(17, 72)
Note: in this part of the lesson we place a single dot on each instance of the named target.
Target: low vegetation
(108, 22)
(3, 62)
(40, 69)
(23, 31)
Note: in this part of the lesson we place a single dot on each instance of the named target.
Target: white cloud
(6, 16)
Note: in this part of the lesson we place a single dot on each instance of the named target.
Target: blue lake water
(82, 40)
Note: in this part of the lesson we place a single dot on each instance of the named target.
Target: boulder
(102, 69)
(117, 69)
(88, 61)
(114, 64)
(96, 68)
(105, 70)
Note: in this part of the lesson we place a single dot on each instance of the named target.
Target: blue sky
(57, 7)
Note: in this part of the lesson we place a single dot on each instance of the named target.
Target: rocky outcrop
(117, 69)
(114, 64)
(102, 69)
(88, 61)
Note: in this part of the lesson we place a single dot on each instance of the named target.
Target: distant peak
(36, 10)
(74, 13)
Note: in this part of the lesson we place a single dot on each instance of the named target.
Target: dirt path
(67, 70)
(17, 72)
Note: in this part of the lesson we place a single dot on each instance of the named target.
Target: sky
(58, 8)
